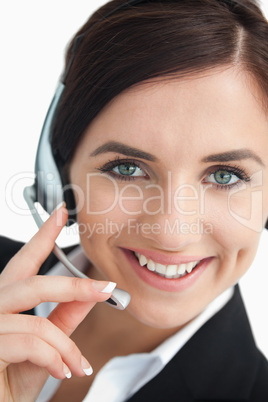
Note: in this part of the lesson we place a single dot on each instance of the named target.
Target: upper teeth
(169, 271)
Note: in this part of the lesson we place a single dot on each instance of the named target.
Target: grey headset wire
(119, 298)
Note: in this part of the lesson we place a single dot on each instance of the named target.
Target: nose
(176, 226)
(172, 233)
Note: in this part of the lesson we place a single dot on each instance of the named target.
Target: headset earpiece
(49, 185)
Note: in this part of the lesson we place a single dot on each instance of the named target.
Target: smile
(172, 271)
(168, 272)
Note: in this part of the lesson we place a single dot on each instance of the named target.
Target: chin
(161, 317)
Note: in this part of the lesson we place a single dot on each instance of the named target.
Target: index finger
(31, 256)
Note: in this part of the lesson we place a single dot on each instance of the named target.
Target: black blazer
(219, 363)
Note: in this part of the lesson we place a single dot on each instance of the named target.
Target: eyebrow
(113, 146)
(235, 155)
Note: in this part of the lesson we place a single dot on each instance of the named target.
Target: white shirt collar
(138, 369)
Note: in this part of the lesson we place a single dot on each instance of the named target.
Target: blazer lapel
(219, 363)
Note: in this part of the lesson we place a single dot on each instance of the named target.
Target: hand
(32, 347)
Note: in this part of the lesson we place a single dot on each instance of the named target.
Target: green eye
(126, 169)
(223, 177)
(122, 169)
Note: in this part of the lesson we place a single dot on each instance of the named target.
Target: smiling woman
(158, 133)
(173, 136)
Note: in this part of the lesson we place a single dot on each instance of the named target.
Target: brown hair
(152, 39)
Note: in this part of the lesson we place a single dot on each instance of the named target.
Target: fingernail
(61, 204)
(66, 371)
(86, 366)
(104, 287)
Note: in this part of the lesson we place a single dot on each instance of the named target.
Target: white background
(33, 38)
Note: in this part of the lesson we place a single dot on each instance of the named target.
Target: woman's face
(172, 193)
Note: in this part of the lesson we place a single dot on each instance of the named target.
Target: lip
(166, 259)
(162, 283)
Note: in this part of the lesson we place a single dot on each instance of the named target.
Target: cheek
(247, 211)
(101, 195)
(105, 197)
(234, 238)
(236, 230)
(105, 215)
(249, 205)
(238, 211)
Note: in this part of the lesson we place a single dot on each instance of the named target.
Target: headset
(48, 186)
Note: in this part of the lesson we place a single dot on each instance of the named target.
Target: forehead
(218, 107)
(218, 84)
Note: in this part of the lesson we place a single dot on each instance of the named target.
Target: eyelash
(109, 166)
(235, 170)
